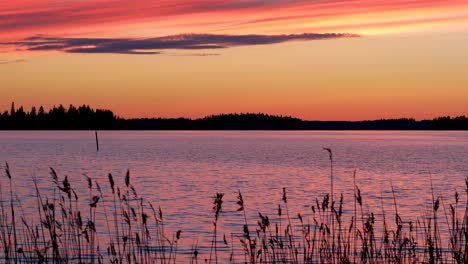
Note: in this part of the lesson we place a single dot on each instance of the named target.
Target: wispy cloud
(158, 44)
(11, 61)
(193, 54)
(22, 18)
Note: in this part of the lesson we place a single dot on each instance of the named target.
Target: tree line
(57, 118)
(86, 118)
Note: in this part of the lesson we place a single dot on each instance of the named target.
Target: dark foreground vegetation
(133, 230)
(86, 118)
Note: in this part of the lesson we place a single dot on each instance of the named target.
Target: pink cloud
(22, 18)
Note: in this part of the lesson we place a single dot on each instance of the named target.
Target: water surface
(181, 171)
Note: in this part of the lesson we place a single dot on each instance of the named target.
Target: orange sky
(326, 60)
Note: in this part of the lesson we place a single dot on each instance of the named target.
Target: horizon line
(217, 114)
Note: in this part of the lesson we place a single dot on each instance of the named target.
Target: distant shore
(86, 118)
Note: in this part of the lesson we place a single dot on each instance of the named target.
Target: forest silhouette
(86, 118)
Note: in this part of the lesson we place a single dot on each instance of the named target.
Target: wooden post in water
(97, 141)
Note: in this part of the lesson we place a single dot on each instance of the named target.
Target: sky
(315, 59)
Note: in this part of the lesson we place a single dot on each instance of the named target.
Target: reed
(218, 202)
(67, 229)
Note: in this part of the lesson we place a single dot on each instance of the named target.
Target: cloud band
(158, 44)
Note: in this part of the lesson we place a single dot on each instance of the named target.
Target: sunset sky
(315, 59)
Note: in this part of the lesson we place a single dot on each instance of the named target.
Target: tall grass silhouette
(132, 230)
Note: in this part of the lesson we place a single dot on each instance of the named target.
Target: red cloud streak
(22, 18)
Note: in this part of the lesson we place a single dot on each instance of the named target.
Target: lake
(181, 171)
